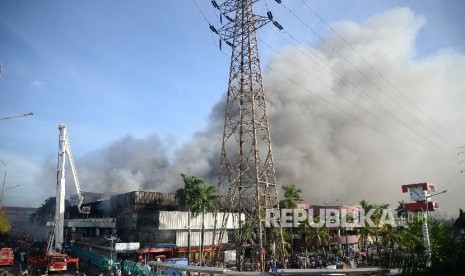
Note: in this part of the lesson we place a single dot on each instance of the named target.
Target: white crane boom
(75, 176)
(64, 149)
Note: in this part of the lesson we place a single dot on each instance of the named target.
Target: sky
(363, 96)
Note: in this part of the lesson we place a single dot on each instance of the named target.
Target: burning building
(147, 223)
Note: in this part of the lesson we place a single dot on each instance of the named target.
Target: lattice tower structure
(247, 181)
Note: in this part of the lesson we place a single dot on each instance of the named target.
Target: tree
(200, 198)
(460, 221)
(448, 252)
(400, 210)
(291, 196)
(205, 202)
(248, 235)
(366, 231)
(311, 234)
(186, 197)
(5, 224)
(277, 236)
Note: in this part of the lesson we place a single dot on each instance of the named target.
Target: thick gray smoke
(335, 157)
(331, 154)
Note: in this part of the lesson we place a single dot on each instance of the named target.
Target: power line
(385, 79)
(394, 100)
(436, 148)
(209, 24)
(361, 93)
(16, 116)
(367, 98)
(357, 118)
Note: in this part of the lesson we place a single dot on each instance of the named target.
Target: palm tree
(306, 231)
(311, 233)
(199, 198)
(400, 210)
(248, 236)
(291, 196)
(366, 231)
(185, 197)
(204, 202)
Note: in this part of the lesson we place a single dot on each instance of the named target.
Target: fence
(102, 262)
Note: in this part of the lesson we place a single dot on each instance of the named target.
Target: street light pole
(4, 189)
(2, 196)
(425, 228)
(189, 248)
(111, 254)
(4, 177)
(3, 183)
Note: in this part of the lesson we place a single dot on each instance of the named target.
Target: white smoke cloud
(326, 152)
(333, 156)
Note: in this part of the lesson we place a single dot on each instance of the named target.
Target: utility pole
(3, 185)
(4, 189)
(247, 179)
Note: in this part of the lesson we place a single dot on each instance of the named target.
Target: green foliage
(186, 196)
(248, 233)
(335, 250)
(291, 196)
(5, 224)
(400, 209)
(275, 243)
(311, 234)
(197, 195)
(460, 222)
(447, 250)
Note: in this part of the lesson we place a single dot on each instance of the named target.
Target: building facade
(156, 221)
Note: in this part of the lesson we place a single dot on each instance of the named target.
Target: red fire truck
(7, 258)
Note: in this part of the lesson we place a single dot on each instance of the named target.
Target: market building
(145, 226)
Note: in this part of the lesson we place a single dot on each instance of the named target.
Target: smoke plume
(330, 139)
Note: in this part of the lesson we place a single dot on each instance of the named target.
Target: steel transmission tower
(247, 181)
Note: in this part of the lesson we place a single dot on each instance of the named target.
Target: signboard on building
(127, 246)
(85, 210)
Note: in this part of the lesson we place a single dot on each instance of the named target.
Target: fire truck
(54, 258)
(7, 259)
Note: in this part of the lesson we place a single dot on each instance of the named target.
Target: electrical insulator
(213, 29)
(278, 25)
(270, 15)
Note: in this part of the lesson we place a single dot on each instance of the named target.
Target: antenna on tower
(247, 181)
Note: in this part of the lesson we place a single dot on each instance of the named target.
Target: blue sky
(109, 69)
